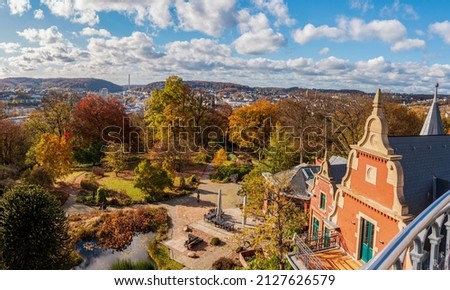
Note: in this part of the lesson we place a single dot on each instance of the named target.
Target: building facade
(387, 182)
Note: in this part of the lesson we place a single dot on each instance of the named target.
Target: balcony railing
(304, 255)
(323, 242)
(425, 241)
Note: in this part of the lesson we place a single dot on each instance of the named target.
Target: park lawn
(110, 181)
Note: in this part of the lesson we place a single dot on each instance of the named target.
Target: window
(323, 201)
(315, 228)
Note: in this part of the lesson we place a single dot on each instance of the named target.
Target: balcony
(422, 245)
(321, 253)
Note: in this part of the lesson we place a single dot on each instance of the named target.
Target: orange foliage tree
(250, 126)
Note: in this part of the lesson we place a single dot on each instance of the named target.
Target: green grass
(130, 265)
(118, 184)
(160, 254)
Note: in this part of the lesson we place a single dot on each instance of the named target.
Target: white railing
(421, 241)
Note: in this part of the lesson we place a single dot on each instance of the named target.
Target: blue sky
(397, 45)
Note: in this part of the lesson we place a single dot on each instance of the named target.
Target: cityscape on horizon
(354, 44)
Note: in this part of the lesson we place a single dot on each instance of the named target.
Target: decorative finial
(377, 99)
(436, 92)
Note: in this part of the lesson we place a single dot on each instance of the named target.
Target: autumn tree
(95, 122)
(151, 178)
(183, 121)
(54, 153)
(220, 157)
(281, 217)
(402, 121)
(55, 114)
(279, 154)
(265, 191)
(250, 126)
(33, 230)
(14, 143)
(115, 157)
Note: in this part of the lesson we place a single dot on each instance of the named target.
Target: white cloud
(197, 54)
(18, 7)
(389, 31)
(397, 8)
(87, 16)
(407, 44)
(124, 51)
(47, 36)
(39, 14)
(442, 29)
(86, 11)
(62, 8)
(385, 30)
(209, 17)
(363, 5)
(311, 32)
(9, 47)
(257, 35)
(419, 32)
(324, 51)
(53, 50)
(88, 31)
(277, 8)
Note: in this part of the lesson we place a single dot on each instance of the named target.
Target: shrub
(6, 184)
(152, 179)
(40, 176)
(33, 231)
(192, 179)
(130, 265)
(98, 171)
(89, 185)
(232, 157)
(227, 171)
(215, 241)
(8, 172)
(118, 227)
(201, 157)
(119, 198)
(220, 157)
(223, 264)
(101, 195)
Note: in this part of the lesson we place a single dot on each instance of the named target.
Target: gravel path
(71, 206)
(187, 211)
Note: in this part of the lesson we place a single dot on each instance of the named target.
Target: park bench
(192, 241)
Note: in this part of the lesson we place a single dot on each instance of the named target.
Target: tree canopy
(33, 230)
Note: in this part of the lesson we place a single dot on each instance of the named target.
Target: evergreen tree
(33, 230)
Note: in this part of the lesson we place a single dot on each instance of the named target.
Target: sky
(396, 45)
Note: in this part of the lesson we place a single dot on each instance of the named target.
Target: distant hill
(200, 85)
(88, 84)
(233, 87)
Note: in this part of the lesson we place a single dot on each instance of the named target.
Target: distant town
(20, 96)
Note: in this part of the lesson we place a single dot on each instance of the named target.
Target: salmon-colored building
(387, 182)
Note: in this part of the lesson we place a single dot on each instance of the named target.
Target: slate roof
(298, 179)
(426, 161)
(433, 122)
(338, 168)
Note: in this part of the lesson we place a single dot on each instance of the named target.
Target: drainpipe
(434, 188)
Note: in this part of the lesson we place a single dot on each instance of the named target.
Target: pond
(98, 258)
